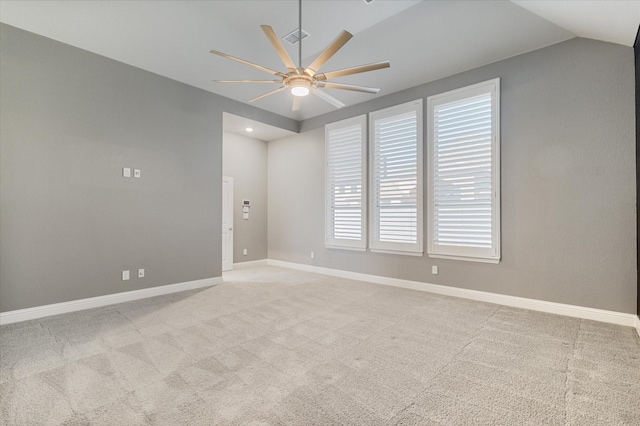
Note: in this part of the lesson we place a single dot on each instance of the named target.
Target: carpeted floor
(273, 346)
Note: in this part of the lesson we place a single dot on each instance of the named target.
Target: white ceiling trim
(261, 131)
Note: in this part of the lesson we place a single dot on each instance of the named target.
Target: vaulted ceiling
(423, 40)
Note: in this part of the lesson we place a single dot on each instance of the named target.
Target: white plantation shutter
(464, 211)
(346, 183)
(396, 178)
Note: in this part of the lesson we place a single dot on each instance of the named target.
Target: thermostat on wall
(245, 209)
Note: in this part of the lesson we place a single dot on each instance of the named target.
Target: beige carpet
(272, 346)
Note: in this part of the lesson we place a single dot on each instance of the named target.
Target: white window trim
(343, 244)
(466, 253)
(389, 247)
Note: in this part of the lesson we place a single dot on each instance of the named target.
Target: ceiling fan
(303, 81)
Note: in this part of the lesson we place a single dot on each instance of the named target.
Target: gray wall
(245, 160)
(69, 223)
(568, 183)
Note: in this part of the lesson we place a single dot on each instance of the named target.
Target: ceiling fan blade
(352, 87)
(354, 70)
(277, 44)
(322, 95)
(273, 92)
(296, 103)
(248, 81)
(251, 64)
(327, 53)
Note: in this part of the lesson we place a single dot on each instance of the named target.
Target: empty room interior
(301, 212)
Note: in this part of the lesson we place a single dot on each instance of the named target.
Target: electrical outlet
(313, 255)
(434, 270)
(244, 252)
(136, 173)
(140, 273)
(125, 275)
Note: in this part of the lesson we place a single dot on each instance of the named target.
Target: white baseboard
(501, 299)
(601, 315)
(249, 264)
(96, 302)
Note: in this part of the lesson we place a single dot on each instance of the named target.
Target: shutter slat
(345, 182)
(395, 173)
(462, 173)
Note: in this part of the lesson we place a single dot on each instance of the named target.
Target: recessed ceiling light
(249, 129)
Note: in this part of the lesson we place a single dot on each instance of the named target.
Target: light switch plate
(136, 173)
(126, 172)
(125, 275)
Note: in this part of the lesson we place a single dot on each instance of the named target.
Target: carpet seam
(569, 373)
(472, 339)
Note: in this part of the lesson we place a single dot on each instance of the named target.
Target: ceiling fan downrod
(300, 35)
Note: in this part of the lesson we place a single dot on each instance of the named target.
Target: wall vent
(292, 37)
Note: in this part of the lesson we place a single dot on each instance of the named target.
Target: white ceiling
(607, 20)
(423, 40)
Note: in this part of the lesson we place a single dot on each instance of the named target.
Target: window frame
(330, 241)
(458, 252)
(376, 246)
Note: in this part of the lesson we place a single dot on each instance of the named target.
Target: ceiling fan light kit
(302, 81)
(300, 84)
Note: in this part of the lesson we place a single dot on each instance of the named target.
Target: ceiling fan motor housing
(300, 84)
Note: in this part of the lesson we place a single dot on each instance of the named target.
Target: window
(464, 177)
(396, 179)
(346, 172)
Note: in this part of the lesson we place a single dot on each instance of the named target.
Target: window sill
(332, 247)
(405, 253)
(465, 258)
